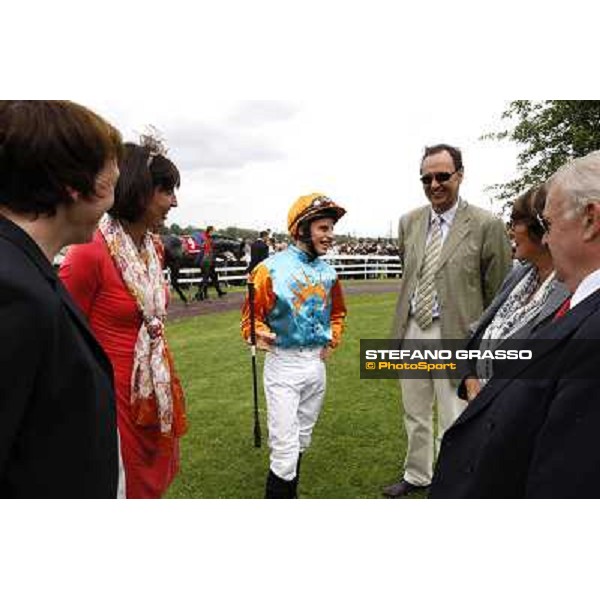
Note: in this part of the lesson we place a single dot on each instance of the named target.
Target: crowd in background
(380, 246)
(93, 406)
(360, 247)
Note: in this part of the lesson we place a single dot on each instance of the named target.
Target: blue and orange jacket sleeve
(338, 313)
(264, 301)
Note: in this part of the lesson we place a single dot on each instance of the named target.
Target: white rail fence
(371, 266)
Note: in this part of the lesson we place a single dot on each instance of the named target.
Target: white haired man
(527, 435)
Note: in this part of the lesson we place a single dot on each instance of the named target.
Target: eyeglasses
(543, 222)
(440, 177)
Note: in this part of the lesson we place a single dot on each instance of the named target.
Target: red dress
(92, 278)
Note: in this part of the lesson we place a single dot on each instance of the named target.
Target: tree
(552, 132)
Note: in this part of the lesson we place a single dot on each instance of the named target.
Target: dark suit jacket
(556, 297)
(533, 437)
(58, 433)
(259, 251)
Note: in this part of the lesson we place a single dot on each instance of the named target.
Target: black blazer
(525, 437)
(58, 432)
(259, 251)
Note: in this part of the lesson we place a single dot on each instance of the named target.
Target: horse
(182, 252)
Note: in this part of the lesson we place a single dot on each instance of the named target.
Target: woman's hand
(473, 387)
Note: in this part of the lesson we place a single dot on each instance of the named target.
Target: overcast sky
(263, 101)
(244, 161)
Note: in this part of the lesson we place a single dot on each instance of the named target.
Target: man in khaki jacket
(455, 256)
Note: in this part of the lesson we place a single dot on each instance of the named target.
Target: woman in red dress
(117, 281)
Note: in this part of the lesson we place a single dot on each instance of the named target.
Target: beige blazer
(475, 258)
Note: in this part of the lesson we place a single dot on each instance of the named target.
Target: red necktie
(564, 307)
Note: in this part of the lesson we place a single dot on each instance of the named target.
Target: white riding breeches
(294, 383)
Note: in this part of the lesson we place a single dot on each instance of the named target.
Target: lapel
(459, 229)
(19, 238)
(507, 287)
(553, 334)
(421, 224)
(558, 294)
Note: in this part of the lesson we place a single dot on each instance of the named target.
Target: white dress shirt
(586, 288)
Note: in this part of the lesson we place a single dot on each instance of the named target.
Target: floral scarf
(522, 305)
(156, 393)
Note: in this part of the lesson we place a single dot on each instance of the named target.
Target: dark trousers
(209, 275)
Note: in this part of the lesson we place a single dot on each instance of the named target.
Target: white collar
(586, 288)
(445, 217)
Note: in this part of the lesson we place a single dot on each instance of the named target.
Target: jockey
(299, 316)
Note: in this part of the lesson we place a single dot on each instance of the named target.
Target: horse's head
(228, 256)
(241, 250)
(224, 244)
(173, 247)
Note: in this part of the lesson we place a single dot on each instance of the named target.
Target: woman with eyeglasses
(528, 297)
(118, 282)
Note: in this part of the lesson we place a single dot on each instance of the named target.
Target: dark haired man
(455, 256)
(259, 250)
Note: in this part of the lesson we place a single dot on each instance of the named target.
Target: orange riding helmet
(313, 206)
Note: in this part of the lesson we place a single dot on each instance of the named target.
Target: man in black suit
(533, 430)
(58, 430)
(259, 250)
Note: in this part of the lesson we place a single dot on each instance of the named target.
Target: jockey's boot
(296, 479)
(277, 488)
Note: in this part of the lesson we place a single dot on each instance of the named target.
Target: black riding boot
(278, 488)
(296, 480)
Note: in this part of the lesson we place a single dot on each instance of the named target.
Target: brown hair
(526, 209)
(141, 172)
(47, 146)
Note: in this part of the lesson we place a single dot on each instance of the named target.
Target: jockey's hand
(326, 352)
(264, 340)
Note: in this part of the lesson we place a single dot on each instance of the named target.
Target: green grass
(190, 290)
(357, 445)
